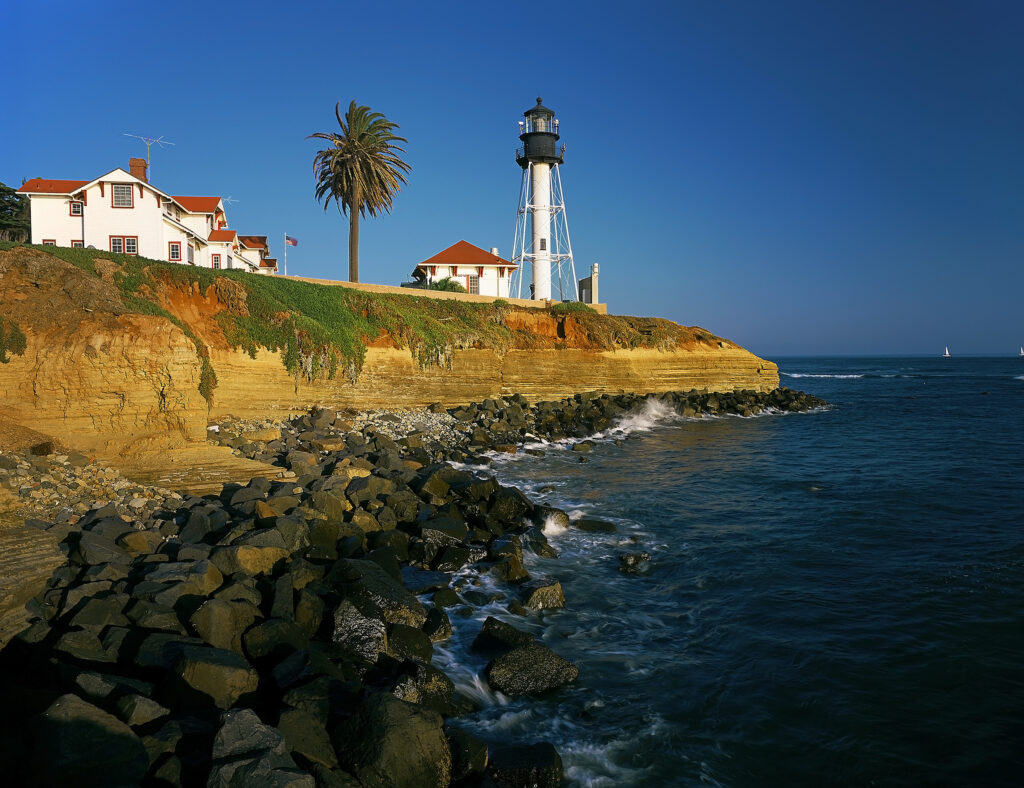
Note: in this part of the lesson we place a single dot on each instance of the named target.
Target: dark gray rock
(306, 735)
(532, 766)
(437, 627)
(593, 525)
(542, 594)
(632, 563)
(405, 642)
(138, 710)
(469, 754)
(498, 637)
(218, 675)
(371, 589)
(274, 637)
(76, 743)
(246, 752)
(95, 548)
(389, 742)
(529, 669)
(360, 634)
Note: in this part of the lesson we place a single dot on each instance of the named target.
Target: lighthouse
(541, 239)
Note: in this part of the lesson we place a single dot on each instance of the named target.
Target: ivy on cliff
(319, 330)
(12, 340)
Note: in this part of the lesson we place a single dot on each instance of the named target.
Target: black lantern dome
(539, 135)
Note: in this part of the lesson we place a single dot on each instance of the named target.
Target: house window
(473, 284)
(174, 251)
(77, 244)
(124, 244)
(121, 196)
(76, 208)
(215, 260)
(191, 255)
(49, 242)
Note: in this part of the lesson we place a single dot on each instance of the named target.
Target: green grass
(569, 308)
(12, 340)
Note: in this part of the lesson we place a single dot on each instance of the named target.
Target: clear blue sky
(801, 177)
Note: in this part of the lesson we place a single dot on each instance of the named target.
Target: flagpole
(286, 254)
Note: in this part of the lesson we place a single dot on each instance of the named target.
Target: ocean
(833, 598)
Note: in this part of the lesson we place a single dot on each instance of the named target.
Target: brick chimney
(138, 167)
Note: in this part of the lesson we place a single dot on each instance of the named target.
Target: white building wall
(199, 223)
(248, 256)
(142, 221)
(51, 220)
(173, 233)
(491, 283)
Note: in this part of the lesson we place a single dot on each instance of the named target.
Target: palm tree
(361, 170)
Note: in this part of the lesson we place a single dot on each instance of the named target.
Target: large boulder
(498, 637)
(360, 634)
(390, 743)
(215, 675)
(532, 766)
(76, 743)
(247, 752)
(529, 669)
(375, 593)
(542, 594)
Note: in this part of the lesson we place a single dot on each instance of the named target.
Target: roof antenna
(230, 200)
(149, 142)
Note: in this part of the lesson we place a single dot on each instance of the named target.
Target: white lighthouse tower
(542, 233)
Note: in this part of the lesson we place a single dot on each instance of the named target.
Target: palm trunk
(353, 236)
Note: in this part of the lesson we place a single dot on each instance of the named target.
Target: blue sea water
(834, 598)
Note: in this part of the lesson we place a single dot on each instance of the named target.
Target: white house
(122, 212)
(478, 271)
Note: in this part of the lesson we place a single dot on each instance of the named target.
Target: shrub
(448, 284)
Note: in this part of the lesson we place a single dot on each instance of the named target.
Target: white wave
(653, 414)
(821, 375)
(551, 527)
(1018, 377)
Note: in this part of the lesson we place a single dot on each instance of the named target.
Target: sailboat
(946, 354)
(1022, 350)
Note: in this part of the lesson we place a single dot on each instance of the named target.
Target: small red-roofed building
(123, 212)
(255, 251)
(479, 271)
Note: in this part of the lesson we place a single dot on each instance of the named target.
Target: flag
(290, 241)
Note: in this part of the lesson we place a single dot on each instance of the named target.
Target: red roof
(464, 253)
(221, 235)
(46, 186)
(268, 262)
(198, 204)
(253, 241)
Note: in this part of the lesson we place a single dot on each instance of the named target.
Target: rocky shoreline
(281, 633)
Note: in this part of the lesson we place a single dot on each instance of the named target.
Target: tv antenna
(150, 141)
(230, 200)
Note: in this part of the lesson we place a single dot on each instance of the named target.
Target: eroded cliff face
(92, 375)
(98, 377)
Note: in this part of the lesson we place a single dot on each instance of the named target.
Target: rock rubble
(281, 632)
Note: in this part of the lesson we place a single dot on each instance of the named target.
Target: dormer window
(121, 196)
(76, 208)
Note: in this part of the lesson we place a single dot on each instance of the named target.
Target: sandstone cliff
(112, 358)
